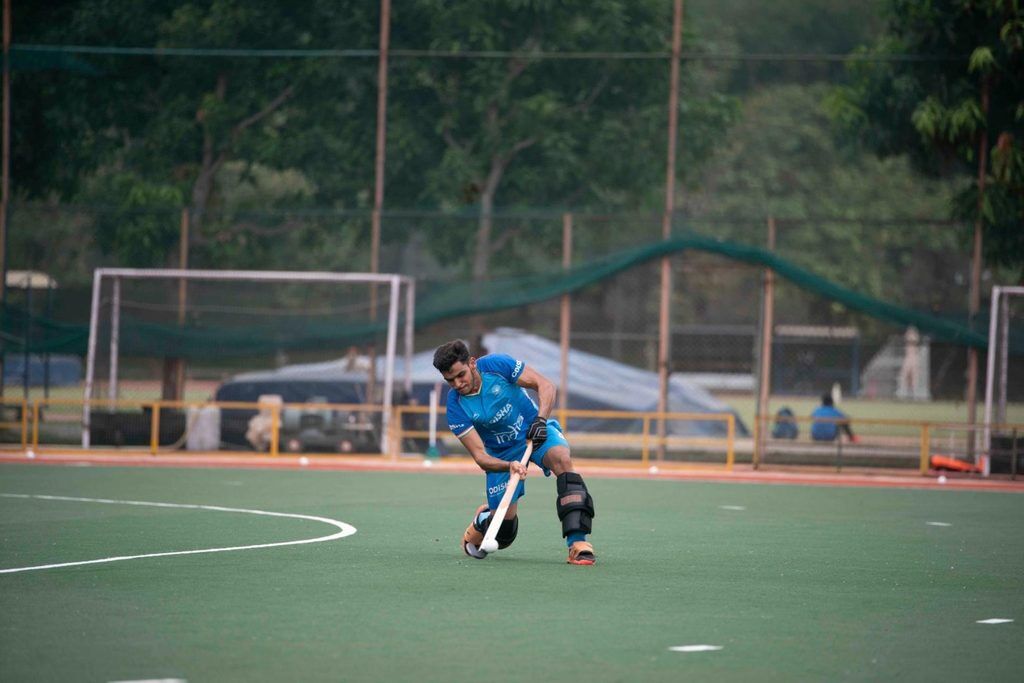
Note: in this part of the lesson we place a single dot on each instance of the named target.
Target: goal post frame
(998, 346)
(393, 281)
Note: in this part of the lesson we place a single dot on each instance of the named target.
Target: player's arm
(487, 462)
(545, 388)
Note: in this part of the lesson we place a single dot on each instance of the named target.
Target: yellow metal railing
(21, 405)
(272, 410)
(879, 435)
(646, 440)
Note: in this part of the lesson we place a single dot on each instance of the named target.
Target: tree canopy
(957, 108)
(139, 134)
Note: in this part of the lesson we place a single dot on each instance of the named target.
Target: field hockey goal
(176, 335)
(1004, 445)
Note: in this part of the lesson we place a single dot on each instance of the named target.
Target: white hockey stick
(489, 544)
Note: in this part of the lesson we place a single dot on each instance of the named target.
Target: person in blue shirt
(493, 416)
(828, 429)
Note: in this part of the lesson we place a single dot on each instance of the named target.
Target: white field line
(345, 530)
(995, 621)
(733, 507)
(695, 648)
(938, 524)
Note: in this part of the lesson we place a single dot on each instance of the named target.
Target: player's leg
(474, 535)
(574, 504)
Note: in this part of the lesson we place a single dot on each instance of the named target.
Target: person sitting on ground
(785, 424)
(827, 428)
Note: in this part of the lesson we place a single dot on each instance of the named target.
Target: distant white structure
(900, 369)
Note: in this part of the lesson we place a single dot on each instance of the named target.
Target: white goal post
(116, 275)
(998, 350)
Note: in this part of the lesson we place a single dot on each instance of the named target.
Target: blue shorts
(497, 482)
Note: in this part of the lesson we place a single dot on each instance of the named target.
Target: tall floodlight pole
(664, 338)
(378, 184)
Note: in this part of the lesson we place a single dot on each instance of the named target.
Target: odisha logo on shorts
(491, 490)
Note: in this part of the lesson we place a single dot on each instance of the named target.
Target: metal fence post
(730, 455)
(1013, 454)
(925, 446)
(35, 424)
(154, 429)
(275, 429)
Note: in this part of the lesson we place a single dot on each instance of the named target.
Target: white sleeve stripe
(467, 430)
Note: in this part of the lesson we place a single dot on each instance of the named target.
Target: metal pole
(5, 173)
(90, 356)
(563, 389)
(382, 109)
(1013, 454)
(389, 367)
(46, 355)
(410, 321)
(990, 365)
(839, 449)
(115, 339)
(378, 185)
(432, 427)
(764, 375)
(1002, 350)
(28, 335)
(179, 363)
(664, 321)
(974, 299)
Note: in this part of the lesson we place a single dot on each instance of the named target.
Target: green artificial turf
(804, 583)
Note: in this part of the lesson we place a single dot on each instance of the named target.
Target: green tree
(526, 131)
(957, 112)
(755, 27)
(139, 133)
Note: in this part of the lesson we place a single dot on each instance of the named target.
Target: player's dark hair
(826, 399)
(450, 353)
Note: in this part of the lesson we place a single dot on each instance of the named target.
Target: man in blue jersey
(493, 416)
(827, 429)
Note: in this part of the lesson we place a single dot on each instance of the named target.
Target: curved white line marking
(346, 530)
(695, 648)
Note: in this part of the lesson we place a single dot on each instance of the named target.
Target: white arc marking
(732, 507)
(346, 530)
(995, 621)
(938, 524)
(695, 648)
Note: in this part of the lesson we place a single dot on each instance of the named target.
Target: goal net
(176, 335)
(1003, 379)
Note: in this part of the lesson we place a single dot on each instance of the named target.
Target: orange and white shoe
(473, 537)
(581, 552)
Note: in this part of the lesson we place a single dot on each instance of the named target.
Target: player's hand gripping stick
(489, 544)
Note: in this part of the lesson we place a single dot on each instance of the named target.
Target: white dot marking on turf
(938, 524)
(995, 621)
(695, 648)
(732, 507)
(345, 530)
